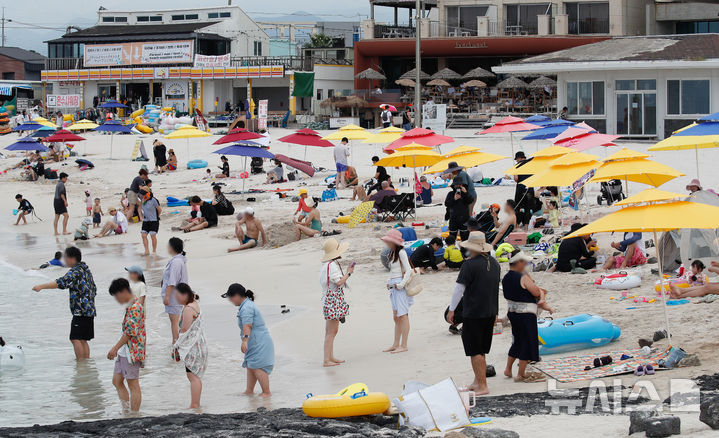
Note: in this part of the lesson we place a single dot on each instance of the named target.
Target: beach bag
(329, 195)
(414, 284)
(437, 407)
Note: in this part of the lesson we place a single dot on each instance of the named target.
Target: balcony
(387, 31)
(63, 63)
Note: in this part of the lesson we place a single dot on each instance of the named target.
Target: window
(522, 19)
(225, 14)
(464, 19)
(192, 17)
(585, 98)
(213, 15)
(120, 19)
(697, 27)
(8, 75)
(156, 18)
(330, 93)
(143, 18)
(688, 97)
(639, 84)
(588, 17)
(178, 17)
(319, 94)
(258, 48)
(108, 19)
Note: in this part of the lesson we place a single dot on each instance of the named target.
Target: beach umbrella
(478, 73)
(475, 83)
(187, 132)
(459, 150)
(446, 74)
(63, 136)
(112, 104)
(549, 130)
(370, 74)
(564, 171)
(629, 165)
(538, 119)
(306, 137)
(82, 125)
(236, 135)
(26, 144)
(509, 124)
(422, 136)
(385, 135)
(414, 147)
(412, 75)
(113, 127)
(45, 122)
(42, 132)
(539, 161)
(542, 82)
(28, 126)
(652, 217)
(697, 136)
(245, 149)
(360, 214)
(351, 132)
(405, 82)
(303, 166)
(438, 83)
(412, 159)
(650, 195)
(468, 160)
(586, 140)
(512, 82)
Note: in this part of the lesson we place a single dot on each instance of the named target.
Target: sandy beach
(285, 272)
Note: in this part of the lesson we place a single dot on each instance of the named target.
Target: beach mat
(571, 368)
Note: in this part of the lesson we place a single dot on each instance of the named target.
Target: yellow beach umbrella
(386, 135)
(360, 213)
(540, 160)
(650, 195)
(351, 132)
(82, 125)
(462, 150)
(638, 170)
(472, 159)
(626, 154)
(45, 122)
(564, 171)
(652, 218)
(679, 142)
(187, 132)
(413, 147)
(412, 159)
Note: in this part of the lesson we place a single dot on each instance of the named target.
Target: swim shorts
(59, 206)
(341, 167)
(82, 328)
(477, 335)
(129, 371)
(150, 227)
(248, 239)
(96, 218)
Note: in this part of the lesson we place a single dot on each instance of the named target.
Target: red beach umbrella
(62, 136)
(238, 134)
(306, 137)
(422, 136)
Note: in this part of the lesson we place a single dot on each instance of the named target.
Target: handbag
(414, 284)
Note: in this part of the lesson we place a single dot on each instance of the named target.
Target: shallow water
(53, 387)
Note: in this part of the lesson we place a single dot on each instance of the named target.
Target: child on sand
(553, 213)
(696, 275)
(697, 291)
(96, 213)
(83, 231)
(129, 351)
(452, 255)
(88, 203)
(24, 209)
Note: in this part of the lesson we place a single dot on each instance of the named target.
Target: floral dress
(334, 305)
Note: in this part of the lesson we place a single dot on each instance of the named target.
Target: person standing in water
(81, 286)
(257, 345)
(175, 273)
(60, 204)
(191, 346)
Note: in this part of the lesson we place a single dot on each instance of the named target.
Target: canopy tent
(421, 136)
(113, 127)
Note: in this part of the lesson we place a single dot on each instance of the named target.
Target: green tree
(319, 40)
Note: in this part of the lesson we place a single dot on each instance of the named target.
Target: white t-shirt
(121, 221)
(138, 288)
(341, 153)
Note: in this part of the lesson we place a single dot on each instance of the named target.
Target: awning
(6, 87)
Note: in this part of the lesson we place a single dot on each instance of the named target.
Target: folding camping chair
(399, 207)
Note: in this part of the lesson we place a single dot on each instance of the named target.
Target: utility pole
(3, 26)
(418, 67)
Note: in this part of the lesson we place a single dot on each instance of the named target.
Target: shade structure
(302, 166)
(82, 125)
(509, 124)
(580, 139)
(45, 122)
(446, 74)
(538, 118)
(42, 133)
(385, 135)
(414, 147)
(63, 136)
(638, 170)
(412, 75)
(648, 196)
(626, 154)
(512, 82)
(653, 218)
(546, 133)
(438, 83)
(542, 82)
(187, 132)
(370, 74)
(236, 135)
(112, 104)
(405, 82)
(551, 151)
(474, 83)
(26, 144)
(696, 136)
(539, 161)
(471, 159)
(245, 149)
(29, 126)
(564, 171)
(351, 132)
(478, 73)
(306, 137)
(421, 136)
(412, 159)
(459, 150)
(360, 214)
(113, 127)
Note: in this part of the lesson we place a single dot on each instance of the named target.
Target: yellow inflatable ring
(346, 220)
(137, 113)
(501, 249)
(339, 406)
(144, 129)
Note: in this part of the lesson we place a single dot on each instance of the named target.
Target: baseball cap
(233, 289)
(134, 268)
(250, 211)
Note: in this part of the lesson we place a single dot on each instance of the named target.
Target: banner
(138, 53)
(63, 100)
(304, 85)
(434, 117)
(212, 61)
(262, 114)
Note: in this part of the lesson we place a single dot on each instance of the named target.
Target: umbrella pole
(626, 183)
(414, 186)
(112, 137)
(661, 287)
(511, 142)
(696, 158)
(244, 169)
(188, 149)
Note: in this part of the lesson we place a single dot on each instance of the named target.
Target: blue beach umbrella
(113, 126)
(29, 126)
(112, 104)
(710, 118)
(43, 132)
(245, 149)
(26, 144)
(538, 119)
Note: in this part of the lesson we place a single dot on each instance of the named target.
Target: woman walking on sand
(334, 307)
(191, 346)
(400, 272)
(257, 344)
(175, 273)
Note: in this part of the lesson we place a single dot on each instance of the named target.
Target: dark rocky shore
(292, 423)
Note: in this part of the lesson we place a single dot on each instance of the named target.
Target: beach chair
(399, 207)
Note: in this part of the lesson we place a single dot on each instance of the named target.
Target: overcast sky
(36, 21)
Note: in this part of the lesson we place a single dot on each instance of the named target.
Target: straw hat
(521, 256)
(477, 242)
(333, 249)
(393, 236)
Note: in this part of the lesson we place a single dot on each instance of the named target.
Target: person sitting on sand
(118, 224)
(425, 195)
(225, 168)
(524, 298)
(311, 224)
(23, 210)
(302, 207)
(423, 257)
(171, 161)
(575, 249)
(697, 291)
(631, 253)
(249, 238)
(351, 176)
(83, 231)
(477, 287)
(382, 194)
(503, 228)
(453, 258)
(208, 219)
(277, 174)
(53, 154)
(695, 275)
(223, 206)
(257, 345)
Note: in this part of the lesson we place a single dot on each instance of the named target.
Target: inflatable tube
(346, 220)
(678, 282)
(144, 129)
(338, 406)
(12, 357)
(196, 164)
(620, 281)
(137, 113)
(575, 333)
(502, 249)
(67, 117)
(174, 202)
(440, 186)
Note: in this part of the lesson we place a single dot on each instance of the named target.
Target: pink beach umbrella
(422, 136)
(509, 124)
(581, 139)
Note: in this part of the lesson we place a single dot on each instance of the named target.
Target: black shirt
(25, 205)
(457, 209)
(513, 290)
(226, 169)
(480, 277)
(424, 254)
(382, 172)
(571, 249)
(209, 213)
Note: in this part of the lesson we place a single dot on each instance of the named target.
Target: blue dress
(260, 349)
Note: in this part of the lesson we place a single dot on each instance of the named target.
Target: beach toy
(677, 302)
(346, 220)
(618, 281)
(12, 357)
(678, 282)
(14, 211)
(196, 164)
(137, 113)
(575, 333)
(174, 202)
(503, 251)
(345, 405)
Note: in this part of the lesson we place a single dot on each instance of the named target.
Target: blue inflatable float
(196, 164)
(575, 333)
(174, 202)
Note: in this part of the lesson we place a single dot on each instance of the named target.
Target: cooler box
(516, 238)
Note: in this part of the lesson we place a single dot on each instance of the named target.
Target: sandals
(531, 378)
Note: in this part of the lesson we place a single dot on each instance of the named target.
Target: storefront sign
(161, 73)
(175, 90)
(262, 114)
(338, 122)
(212, 61)
(465, 45)
(63, 100)
(139, 53)
(434, 117)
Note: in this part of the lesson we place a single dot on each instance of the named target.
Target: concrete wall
(331, 77)
(689, 11)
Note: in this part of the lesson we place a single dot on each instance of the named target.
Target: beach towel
(571, 368)
(193, 348)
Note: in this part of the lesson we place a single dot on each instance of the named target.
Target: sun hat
(519, 155)
(477, 241)
(519, 257)
(310, 203)
(333, 249)
(453, 167)
(694, 183)
(134, 268)
(303, 191)
(393, 236)
(249, 210)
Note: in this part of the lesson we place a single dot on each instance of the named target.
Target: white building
(633, 86)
